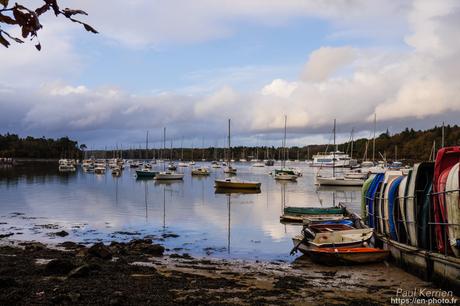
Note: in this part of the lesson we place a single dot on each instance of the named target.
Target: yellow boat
(237, 184)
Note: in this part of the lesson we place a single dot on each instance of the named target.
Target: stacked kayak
(419, 208)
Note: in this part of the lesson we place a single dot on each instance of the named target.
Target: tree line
(408, 145)
(11, 145)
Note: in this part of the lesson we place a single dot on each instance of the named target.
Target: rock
(184, 256)
(6, 235)
(99, 250)
(117, 298)
(61, 234)
(81, 271)
(33, 246)
(70, 245)
(8, 282)
(59, 266)
(170, 235)
(145, 246)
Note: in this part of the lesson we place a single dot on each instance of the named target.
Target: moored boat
(237, 184)
(200, 171)
(168, 175)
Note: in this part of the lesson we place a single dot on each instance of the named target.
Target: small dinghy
(347, 256)
(298, 214)
(351, 238)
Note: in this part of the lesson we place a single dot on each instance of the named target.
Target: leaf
(89, 28)
(69, 12)
(4, 3)
(7, 19)
(3, 41)
(41, 10)
(38, 46)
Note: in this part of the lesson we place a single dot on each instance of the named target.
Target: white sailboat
(283, 173)
(168, 175)
(229, 169)
(335, 180)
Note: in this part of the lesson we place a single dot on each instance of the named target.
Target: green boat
(298, 214)
(146, 173)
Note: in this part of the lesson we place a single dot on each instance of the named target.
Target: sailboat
(232, 183)
(182, 163)
(146, 171)
(283, 173)
(168, 175)
(229, 169)
(337, 180)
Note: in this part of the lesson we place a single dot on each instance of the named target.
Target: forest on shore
(408, 145)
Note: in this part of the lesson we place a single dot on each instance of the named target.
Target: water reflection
(225, 223)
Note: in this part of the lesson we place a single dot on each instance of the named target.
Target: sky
(189, 65)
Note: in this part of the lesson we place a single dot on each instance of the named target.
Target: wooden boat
(453, 210)
(321, 227)
(298, 214)
(200, 171)
(446, 158)
(335, 239)
(237, 184)
(168, 175)
(146, 173)
(347, 256)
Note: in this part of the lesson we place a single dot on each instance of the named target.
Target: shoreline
(138, 272)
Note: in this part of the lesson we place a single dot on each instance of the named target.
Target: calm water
(37, 200)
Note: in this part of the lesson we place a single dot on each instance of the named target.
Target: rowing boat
(347, 256)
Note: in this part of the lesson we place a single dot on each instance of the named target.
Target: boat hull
(334, 181)
(348, 256)
(236, 185)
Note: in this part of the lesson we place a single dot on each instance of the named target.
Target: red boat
(347, 256)
(446, 158)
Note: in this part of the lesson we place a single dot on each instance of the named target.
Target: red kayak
(446, 158)
(348, 256)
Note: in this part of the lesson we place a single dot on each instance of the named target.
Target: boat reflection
(229, 191)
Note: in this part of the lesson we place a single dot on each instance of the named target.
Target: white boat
(331, 159)
(182, 164)
(192, 163)
(98, 169)
(200, 171)
(230, 170)
(336, 180)
(284, 176)
(335, 239)
(258, 164)
(215, 164)
(168, 175)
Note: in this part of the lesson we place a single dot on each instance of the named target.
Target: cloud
(350, 82)
(324, 62)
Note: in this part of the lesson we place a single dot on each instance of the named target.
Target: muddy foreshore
(139, 273)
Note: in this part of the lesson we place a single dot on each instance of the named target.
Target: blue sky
(190, 65)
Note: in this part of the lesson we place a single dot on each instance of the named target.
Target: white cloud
(324, 62)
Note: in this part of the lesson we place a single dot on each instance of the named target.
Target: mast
(373, 144)
(202, 149)
(333, 153)
(164, 146)
(182, 149)
(229, 145)
(352, 140)
(442, 137)
(147, 146)
(284, 142)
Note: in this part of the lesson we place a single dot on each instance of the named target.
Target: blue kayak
(392, 197)
(370, 197)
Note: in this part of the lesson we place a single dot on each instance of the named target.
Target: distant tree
(29, 20)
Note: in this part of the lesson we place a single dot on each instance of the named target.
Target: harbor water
(36, 201)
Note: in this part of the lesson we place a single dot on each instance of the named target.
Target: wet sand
(139, 272)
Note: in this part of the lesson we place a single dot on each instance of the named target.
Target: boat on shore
(347, 256)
